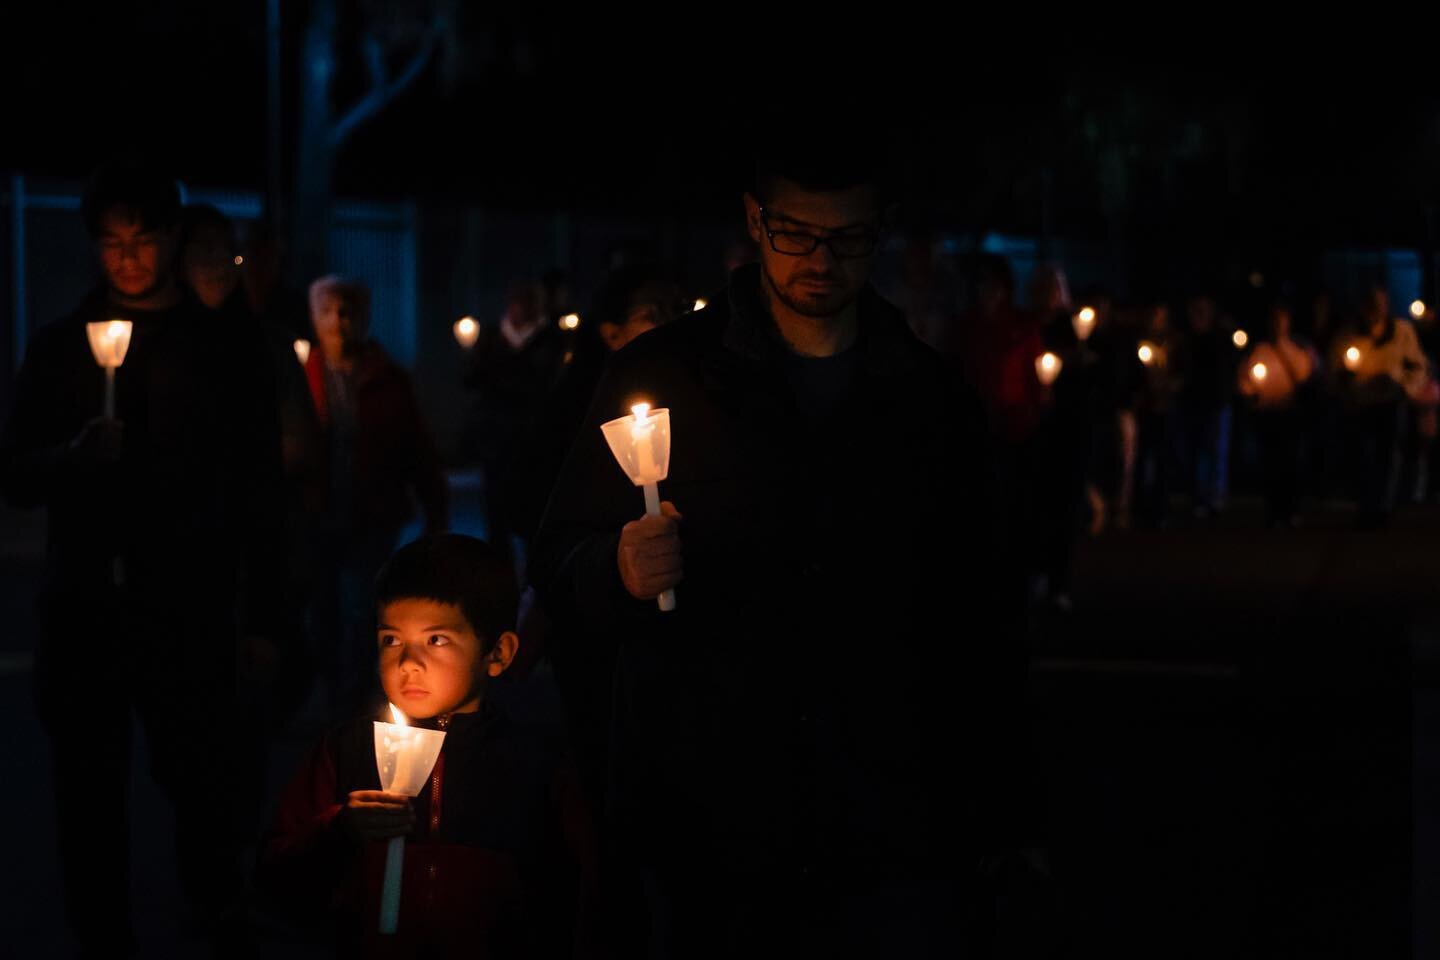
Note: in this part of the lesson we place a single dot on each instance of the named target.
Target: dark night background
(1235, 733)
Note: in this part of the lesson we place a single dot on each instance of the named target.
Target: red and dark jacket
(394, 451)
(500, 863)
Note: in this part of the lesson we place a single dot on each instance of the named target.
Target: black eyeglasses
(846, 246)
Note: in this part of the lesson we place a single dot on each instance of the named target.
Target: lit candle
(1240, 338)
(302, 351)
(1146, 353)
(700, 305)
(570, 321)
(109, 342)
(1352, 359)
(1084, 323)
(467, 331)
(404, 757)
(1047, 367)
(1259, 372)
(640, 443)
(1417, 309)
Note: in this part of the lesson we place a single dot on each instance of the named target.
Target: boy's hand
(377, 815)
(649, 553)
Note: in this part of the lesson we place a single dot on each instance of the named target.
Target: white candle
(643, 435)
(410, 753)
(109, 342)
(467, 331)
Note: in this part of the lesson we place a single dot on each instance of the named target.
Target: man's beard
(816, 307)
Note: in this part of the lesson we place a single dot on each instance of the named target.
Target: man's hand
(649, 553)
(377, 815)
(98, 442)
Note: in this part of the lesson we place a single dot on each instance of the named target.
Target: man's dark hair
(994, 268)
(636, 285)
(455, 569)
(139, 189)
(817, 161)
(198, 217)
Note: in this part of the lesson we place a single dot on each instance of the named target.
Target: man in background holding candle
(806, 755)
(162, 524)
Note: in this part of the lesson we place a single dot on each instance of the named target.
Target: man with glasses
(804, 753)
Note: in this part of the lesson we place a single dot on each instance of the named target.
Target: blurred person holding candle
(1273, 378)
(1159, 451)
(511, 369)
(163, 533)
(1388, 373)
(1204, 405)
(807, 755)
(209, 262)
(499, 856)
(377, 456)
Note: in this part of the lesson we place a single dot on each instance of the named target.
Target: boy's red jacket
(500, 864)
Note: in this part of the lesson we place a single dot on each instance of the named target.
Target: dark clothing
(391, 454)
(510, 385)
(819, 720)
(499, 864)
(151, 564)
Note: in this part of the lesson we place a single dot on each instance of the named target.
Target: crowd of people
(864, 501)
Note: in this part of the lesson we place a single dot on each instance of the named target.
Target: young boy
(499, 860)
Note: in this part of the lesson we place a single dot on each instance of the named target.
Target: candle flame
(399, 717)
(1048, 361)
(1240, 338)
(642, 413)
(302, 351)
(1258, 371)
(700, 305)
(239, 261)
(1087, 314)
(1352, 357)
(116, 330)
(570, 321)
(1417, 309)
(1146, 353)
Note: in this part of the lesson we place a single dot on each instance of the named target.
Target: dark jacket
(828, 700)
(394, 453)
(500, 863)
(194, 505)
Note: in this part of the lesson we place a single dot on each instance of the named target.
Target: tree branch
(382, 91)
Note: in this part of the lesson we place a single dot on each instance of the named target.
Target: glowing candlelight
(640, 443)
(467, 331)
(1259, 372)
(1352, 359)
(1417, 309)
(1047, 367)
(1240, 338)
(302, 351)
(570, 321)
(404, 757)
(700, 304)
(109, 342)
(1084, 323)
(1146, 353)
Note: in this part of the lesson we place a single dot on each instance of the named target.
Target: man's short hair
(454, 569)
(135, 187)
(818, 162)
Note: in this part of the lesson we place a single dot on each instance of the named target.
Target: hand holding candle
(109, 342)
(404, 757)
(641, 445)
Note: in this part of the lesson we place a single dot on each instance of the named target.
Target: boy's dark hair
(456, 569)
(135, 187)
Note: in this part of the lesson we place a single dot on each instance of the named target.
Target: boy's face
(430, 659)
(136, 258)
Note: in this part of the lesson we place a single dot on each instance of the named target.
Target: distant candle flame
(399, 717)
(1146, 353)
(700, 305)
(570, 321)
(1240, 338)
(1417, 309)
(1259, 371)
